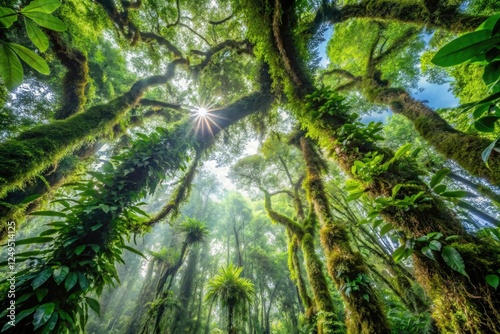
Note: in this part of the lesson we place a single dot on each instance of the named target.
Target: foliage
(479, 47)
(36, 13)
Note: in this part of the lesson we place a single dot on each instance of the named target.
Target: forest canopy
(247, 166)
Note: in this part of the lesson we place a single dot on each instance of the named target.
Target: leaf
(453, 259)
(440, 188)
(428, 252)
(439, 176)
(435, 245)
(36, 240)
(481, 110)
(94, 304)
(486, 123)
(355, 195)
(401, 151)
(79, 249)
(455, 194)
(487, 151)
(82, 281)
(30, 58)
(71, 280)
(60, 274)
(30, 199)
(41, 278)
(42, 6)
(40, 293)
(133, 250)
(51, 324)
(46, 20)
(43, 314)
(396, 189)
(11, 69)
(493, 280)
(48, 214)
(37, 36)
(464, 48)
(7, 17)
(491, 73)
(399, 254)
(386, 229)
(489, 23)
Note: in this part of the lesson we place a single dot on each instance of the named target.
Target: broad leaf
(486, 123)
(386, 229)
(11, 69)
(60, 274)
(37, 36)
(42, 6)
(41, 293)
(43, 314)
(51, 324)
(440, 188)
(46, 20)
(30, 58)
(428, 252)
(453, 259)
(464, 48)
(493, 280)
(70, 281)
(487, 151)
(491, 73)
(41, 278)
(435, 245)
(401, 151)
(94, 304)
(79, 249)
(7, 17)
(490, 23)
(439, 176)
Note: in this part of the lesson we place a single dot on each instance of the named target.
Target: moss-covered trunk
(38, 148)
(465, 149)
(461, 304)
(346, 267)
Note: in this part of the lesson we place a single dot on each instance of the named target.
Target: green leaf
(396, 189)
(94, 304)
(481, 110)
(40, 293)
(439, 176)
(70, 281)
(493, 280)
(51, 324)
(399, 254)
(42, 6)
(133, 250)
(355, 195)
(30, 199)
(401, 151)
(46, 20)
(43, 314)
(489, 23)
(453, 259)
(486, 123)
(79, 249)
(36, 240)
(82, 281)
(11, 69)
(48, 214)
(7, 17)
(37, 36)
(464, 48)
(30, 58)
(491, 72)
(60, 274)
(21, 316)
(435, 245)
(455, 193)
(41, 278)
(487, 151)
(386, 229)
(428, 252)
(440, 188)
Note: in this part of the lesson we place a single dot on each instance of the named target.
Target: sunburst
(204, 118)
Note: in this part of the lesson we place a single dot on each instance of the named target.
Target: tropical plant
(232, 291)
